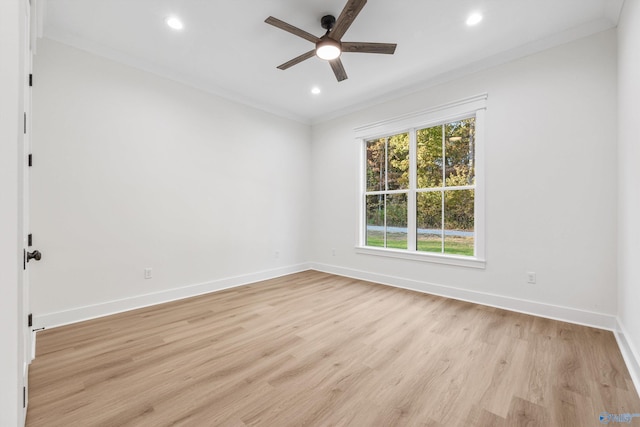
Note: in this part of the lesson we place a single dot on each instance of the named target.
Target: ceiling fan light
(328, 49)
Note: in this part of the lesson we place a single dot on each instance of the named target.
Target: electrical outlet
(531, 277)
(277, 255)
(333, 251)
(148, 273)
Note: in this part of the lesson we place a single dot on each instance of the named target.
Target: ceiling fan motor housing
(327, 22)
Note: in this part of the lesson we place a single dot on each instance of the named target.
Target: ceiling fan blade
(338, 69)
(387, 48)
(297, 59)
(291, 29)
(346, 18)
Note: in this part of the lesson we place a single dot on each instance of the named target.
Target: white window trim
(452, 111)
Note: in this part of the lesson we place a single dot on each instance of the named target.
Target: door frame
(12, 321)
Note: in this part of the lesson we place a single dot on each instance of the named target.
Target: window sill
(460, 261)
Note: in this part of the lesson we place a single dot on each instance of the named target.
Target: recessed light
(174, 23)
(315, 90)
(474, 19)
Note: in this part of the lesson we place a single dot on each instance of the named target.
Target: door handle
(34, 255)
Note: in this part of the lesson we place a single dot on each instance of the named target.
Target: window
(422, 186)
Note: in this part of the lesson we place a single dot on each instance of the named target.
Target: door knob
(34, 255)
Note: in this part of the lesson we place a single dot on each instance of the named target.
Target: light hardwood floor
(315, 349)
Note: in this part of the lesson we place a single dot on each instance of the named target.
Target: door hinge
(24, 259)
(30, 239)
(30, 160)
(25, 123)
(24, 397)
(30, 79)
(30, 320)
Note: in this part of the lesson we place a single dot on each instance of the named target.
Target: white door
(30, 255)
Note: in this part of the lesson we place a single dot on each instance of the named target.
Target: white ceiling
(227, 49)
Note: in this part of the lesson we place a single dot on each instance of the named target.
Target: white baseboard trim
(555, 312)
(630, 353)
(79, 314)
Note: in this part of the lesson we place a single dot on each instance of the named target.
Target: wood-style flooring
(314, 349)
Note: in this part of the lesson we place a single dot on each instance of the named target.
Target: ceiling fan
(330, 46)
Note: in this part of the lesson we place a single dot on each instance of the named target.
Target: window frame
(462, 109)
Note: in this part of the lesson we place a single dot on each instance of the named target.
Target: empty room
(321, 213)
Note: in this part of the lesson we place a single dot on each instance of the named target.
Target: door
(29, 253)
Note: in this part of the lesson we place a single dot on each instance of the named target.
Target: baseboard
(79, 314)
(630, 353)
(565, 314)
(555, 312)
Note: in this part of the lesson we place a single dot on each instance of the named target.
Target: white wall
(132, 171)
(11, 107)
(550, 195)
(629, 177)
